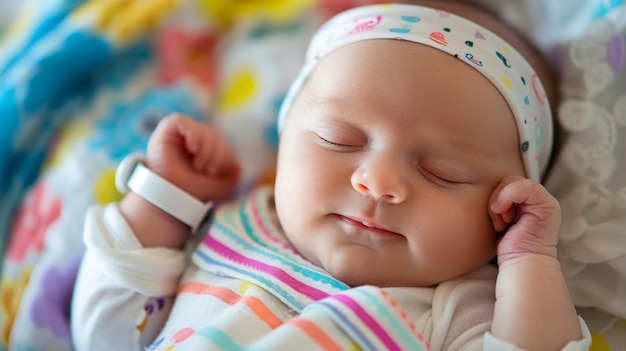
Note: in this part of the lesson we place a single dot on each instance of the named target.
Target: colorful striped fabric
(245, 243)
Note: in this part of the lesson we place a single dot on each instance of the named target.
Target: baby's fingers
(203, 151)
(209, 151)
(517, 191)
(502, 209)
(502, 219)
(528, 213)
(527, 195)
(223, 159)
(214, 155)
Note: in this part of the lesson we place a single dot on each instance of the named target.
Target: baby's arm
(134, 254)
(123, 292)
(533, 308)
(192, 156)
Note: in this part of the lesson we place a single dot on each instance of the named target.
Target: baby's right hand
(531, 217)
(194, 157)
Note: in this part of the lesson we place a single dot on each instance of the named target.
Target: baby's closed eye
(443, 174)
(340, 145)
(341, 138)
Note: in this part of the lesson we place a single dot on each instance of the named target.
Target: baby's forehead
(468, 42)
(439, 86)
(382, 67)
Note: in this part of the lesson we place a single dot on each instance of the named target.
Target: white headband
(473, 44)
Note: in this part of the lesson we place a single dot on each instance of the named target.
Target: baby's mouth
(367, 225)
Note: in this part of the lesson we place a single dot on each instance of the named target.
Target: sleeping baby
(407, 210)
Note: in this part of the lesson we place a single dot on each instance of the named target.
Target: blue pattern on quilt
(606, 6)
(53, 74)
(48, 14)
(113, 133)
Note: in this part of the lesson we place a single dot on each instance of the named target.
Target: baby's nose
(380, 180)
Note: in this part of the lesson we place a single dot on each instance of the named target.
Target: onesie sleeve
(123, 291)
(462, 312)
(491, 343)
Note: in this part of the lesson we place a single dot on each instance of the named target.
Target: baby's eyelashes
(445, 178)
(339, 145)
(441, 179)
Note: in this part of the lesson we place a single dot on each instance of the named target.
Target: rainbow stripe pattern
(246, 244)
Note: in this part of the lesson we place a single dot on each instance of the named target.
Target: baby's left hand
(531, 214)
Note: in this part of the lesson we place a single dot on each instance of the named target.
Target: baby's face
(387, 161)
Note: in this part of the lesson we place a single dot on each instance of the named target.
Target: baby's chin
(355, 280)
(354, 276)
(368, 274)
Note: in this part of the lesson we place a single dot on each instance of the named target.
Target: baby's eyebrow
(327, 103)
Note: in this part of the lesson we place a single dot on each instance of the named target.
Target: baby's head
(401, 125)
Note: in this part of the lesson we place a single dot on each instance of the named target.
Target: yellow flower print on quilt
(226, 12)
(11, 292)
(610, 338)
(104, 190)
(239, 89)
(125, 20)
(598, 343)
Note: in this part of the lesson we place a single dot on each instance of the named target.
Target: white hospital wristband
(133, 175)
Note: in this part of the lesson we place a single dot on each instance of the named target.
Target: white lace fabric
(589, 173)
